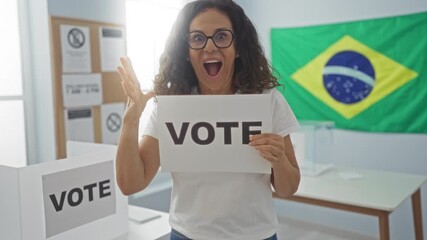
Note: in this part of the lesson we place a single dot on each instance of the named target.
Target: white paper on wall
(79, 125)
(111, 121)
(75, 49)
(81, 90)
(112, 46)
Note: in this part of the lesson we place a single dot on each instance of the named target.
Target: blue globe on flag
(348, 77)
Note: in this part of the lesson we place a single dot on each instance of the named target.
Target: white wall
(38, 78)
(109, 11)
(291, 13)
(394, 152)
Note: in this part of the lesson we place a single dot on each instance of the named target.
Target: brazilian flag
(367, 75)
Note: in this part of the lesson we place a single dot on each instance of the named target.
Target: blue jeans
(175, 235)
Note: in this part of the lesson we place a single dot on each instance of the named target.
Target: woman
(213, 48)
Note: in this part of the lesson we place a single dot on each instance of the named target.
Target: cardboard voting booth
(72, 198)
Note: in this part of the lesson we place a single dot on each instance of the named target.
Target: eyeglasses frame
(210, 37)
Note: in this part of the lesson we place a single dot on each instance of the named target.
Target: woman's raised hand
(136, 99)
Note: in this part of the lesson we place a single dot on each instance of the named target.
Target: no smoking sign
(114, 122)
(76, 38)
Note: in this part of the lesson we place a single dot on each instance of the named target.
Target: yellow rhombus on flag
(389, 76)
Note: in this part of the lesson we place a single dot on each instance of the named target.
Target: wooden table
(370, 192)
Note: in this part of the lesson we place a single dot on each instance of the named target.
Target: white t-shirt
(225, 205)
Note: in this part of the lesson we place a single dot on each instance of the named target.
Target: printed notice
(79, 125)
(81, 90)
(75, 49)
(211, 133)
(111, 117)
(112, 47)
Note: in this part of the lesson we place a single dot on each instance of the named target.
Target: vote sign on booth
(72, 198)
(211, 133)
(78, 196)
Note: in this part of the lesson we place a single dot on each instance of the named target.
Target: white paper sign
(78, 192)
(112, 47)
(81, 90)
(111, 117)
(75, 49)
(79, 125)
(210, 133)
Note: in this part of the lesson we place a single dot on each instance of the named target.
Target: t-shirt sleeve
(284, 120)
(151, 126)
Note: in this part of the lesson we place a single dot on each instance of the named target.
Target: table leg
(384, 226)
(416, 211)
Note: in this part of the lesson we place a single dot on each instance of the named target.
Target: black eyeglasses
(198, 40)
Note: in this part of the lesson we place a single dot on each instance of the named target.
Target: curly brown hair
(252, 73)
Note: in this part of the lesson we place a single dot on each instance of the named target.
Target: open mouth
(212, 67)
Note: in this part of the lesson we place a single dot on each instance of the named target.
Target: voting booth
(72, 198)
(313, 146)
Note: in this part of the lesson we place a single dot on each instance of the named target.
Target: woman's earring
(237, 56)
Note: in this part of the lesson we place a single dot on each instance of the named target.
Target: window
(12, 119)
(148, 24)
